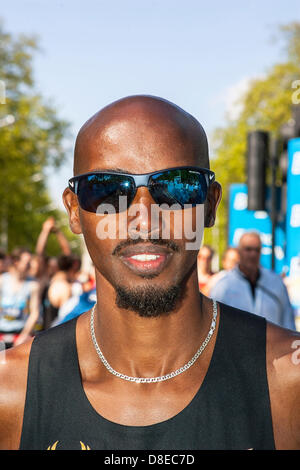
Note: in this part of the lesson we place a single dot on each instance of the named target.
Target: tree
(266, 105)
(32, 143)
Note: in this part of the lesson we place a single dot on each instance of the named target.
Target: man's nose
(143, 219)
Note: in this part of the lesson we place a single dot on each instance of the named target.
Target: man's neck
(152, 347)
(251, 274)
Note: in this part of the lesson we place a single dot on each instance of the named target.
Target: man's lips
(148, 259)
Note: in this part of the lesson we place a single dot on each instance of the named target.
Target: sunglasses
(180, 185)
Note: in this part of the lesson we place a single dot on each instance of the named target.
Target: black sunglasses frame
(141, 179)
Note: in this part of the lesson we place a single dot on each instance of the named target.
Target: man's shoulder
(14, 362)
(13, 383)
(283, 347)
(283, 365)
(60, 332)
(59, 290)
(59, 284)
(13, 367)
(270, 276)
(225, 278)
(283, 358)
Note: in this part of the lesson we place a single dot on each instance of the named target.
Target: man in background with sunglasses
(154, 364)
(264, 292)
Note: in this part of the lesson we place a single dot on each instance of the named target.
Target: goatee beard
(148, 302)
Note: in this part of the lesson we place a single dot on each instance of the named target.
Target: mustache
(168, 243)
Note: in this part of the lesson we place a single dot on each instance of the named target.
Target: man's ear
(214, 197)
(71, 204)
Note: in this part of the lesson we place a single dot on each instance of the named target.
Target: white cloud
(232, 95)
(229, 98)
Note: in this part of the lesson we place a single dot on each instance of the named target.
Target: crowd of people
(243, 283)
(38, 291)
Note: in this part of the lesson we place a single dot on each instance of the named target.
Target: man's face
(139, 143)
(249, 250)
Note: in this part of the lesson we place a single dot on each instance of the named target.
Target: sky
(197, 54)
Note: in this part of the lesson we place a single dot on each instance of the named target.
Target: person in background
(49, 226)
(204, 268)
(62, 287)
(43, 267)
(19, 300)
(83, 299)
(230, 259)
(38, 272)
(80, 303)
(251, 287)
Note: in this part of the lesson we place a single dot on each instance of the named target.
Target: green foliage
(32, 143)
(266, 105)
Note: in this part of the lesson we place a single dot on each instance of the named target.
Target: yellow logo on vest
(83, 446)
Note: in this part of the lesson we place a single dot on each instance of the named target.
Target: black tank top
(231, 409)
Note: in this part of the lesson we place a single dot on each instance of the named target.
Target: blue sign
(242, 220)
(293, 208)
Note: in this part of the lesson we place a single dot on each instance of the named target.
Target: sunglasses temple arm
(73, 185)
(209, 179)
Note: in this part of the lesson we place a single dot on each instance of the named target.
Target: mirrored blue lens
(97, 189)
(179, 186)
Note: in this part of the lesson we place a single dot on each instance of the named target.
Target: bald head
(252, 238)
(141, 130)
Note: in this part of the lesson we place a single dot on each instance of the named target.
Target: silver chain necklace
(162, 377)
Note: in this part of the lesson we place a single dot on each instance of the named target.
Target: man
(19, 300)
(230, 259)
(178, 372)
(251, 287)
(43, 268)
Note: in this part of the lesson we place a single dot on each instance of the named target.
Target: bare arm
(13, 379)
(59, 292)
(283, 359)
(50, 227)
(43, 237)
(63, 242)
